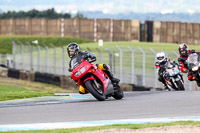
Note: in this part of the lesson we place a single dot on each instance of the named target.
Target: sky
(105, 6)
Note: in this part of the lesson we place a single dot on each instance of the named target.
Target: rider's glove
(93, 58)
(69, 69)
(192, 51)
(185, 63)
(85, 56)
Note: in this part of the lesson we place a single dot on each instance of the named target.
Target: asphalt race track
(135, 105)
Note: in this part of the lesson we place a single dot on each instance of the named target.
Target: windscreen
(193, 59)
(76, 60)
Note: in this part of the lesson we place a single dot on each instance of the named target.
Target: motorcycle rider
(73, 51)
(184, 54)
(160, 65)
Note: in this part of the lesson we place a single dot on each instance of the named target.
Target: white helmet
(161, 57)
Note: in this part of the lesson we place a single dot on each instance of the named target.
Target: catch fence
(131, 65)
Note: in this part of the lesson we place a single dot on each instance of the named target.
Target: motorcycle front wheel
(180, 85)
(97, 92)
(198, 83)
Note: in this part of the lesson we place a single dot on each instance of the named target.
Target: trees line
(49, 13)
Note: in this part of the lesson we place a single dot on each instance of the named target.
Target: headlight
(82, 70)
(174, 72)
(195, 68)
(77, 74)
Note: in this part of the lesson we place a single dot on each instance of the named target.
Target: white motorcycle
(173, 77)
(193, 62)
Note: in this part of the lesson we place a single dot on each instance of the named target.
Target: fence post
(62, 27)
(38, 58)
(22, 54)
(100, 55)
(89, 49)
(143, 66)
(165, 53)
(31, 55)
(132, 65)
(111, 30)
(1, 59)
(156, 78)
(110, 57)
(54, 57)
(14, 52)
(95, 30)
(47, 58)
(121, 61)
(175, 53)
(63, 60)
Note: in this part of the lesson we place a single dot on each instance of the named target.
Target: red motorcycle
(94, 80)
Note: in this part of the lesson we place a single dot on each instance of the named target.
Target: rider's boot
(165, 86)
(82, 90)
(106, 68)
(113, 79)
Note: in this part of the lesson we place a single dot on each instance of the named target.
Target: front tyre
(198, 83)
(180, 85)
(97, 92)
(118, 94)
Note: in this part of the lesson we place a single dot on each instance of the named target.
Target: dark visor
(160, 58)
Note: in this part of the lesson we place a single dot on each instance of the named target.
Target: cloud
(167, 11)
(112, 7)
(190, 11)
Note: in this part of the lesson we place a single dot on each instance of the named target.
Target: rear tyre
(97, 92)
(180, 86)
(118, 94)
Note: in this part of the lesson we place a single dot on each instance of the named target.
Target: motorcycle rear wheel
(96, 92)
(118, 94)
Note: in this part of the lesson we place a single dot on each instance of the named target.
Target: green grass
(143, 45)
(6, 45)
(126, 126)
(8, 92)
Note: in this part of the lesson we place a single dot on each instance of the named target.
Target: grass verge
(16, 89)
(126, 126)
(9, 92)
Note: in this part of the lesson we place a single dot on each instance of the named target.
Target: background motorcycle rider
(73, 52)
(160, 65)
(184, 53)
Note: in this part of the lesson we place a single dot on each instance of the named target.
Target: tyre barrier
(27, 75)
(62, 81)
(3, 72)
(140, 88)
(47, 78)
(13, 73)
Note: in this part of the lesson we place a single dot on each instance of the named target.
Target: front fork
(179, 77)
(196, 75)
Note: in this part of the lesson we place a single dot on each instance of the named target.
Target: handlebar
(92, 60)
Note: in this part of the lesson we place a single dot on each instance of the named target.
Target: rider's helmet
(72, 49)
(161, 57)
(183, 50)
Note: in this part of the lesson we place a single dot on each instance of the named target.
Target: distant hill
(195, 18)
